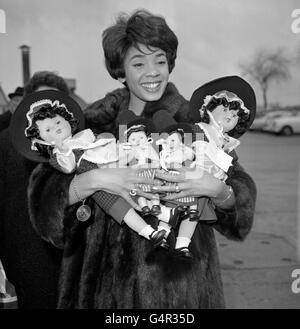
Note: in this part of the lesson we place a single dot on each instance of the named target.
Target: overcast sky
(214, 36)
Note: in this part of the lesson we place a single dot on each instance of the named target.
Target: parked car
(287, 124)
(260, 122)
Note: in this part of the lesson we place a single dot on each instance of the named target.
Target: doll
(223, 116)
(50, 128)
(175, 154)
(141, 153)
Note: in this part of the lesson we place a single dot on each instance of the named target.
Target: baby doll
(223, 116)
(50, 128)
(139, 152)
(175, 154)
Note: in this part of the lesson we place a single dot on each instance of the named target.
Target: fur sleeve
(236, 223)
(48, 194)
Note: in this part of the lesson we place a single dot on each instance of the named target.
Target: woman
(105, 265)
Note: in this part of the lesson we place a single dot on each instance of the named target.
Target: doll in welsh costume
(51, 127)
(174, 154)
(222, 109)
(139, 152)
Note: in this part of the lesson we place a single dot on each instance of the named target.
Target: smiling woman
(106, 265)
(147, 74)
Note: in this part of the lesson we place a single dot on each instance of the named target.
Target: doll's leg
(137, 224)
(142, 202)
(121, 211)
(170, 215)
(193, 213)
(186, 231)
(156, 208)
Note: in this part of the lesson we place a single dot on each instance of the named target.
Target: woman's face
(226, 118)
(146, 74)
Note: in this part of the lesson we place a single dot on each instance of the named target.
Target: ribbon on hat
(134, 127)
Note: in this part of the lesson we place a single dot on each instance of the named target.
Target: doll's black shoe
(184, 252)
(185, 212)
(157, 237)
(146, 211)
(193, 214)
(164, 244)
(175, 215)
(155, 210)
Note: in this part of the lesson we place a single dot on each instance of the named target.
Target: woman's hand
(119, 181)
(193, 182)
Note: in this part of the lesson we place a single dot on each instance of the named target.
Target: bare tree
(266, 67)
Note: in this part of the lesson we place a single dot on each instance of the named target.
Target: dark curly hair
(45, 78)
(141, 27)
(45, 112)
(241, 126)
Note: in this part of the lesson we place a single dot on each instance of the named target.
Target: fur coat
(106, 265)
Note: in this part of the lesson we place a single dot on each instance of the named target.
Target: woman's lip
(151, 86)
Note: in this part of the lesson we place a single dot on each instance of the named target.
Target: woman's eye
(138, 64)
(47, 130)
(58, 122)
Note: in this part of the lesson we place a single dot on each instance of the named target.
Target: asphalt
(257, 273)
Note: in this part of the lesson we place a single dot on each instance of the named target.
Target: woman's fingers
(146, 195)
(128, 198)
(176, 188)
(175, 196)
(171, 177)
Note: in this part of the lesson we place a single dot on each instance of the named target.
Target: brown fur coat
(109, 266)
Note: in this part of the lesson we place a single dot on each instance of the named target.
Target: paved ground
(257, 272)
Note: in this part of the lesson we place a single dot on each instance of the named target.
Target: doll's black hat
(21, 119)
(233, 84)
(179, 127)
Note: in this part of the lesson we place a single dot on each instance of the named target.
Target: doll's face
(54, 130)
(226, 118)
(137, 138)
(174, 141)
